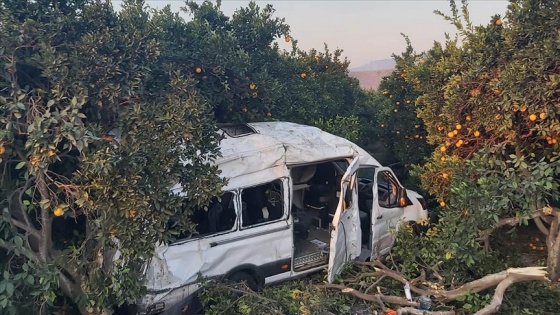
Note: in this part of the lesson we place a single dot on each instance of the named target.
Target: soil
(526, 245)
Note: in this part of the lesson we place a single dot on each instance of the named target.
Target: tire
(242, 276)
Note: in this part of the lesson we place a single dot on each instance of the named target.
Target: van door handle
(380, 216)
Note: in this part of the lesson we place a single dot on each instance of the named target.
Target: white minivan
(297, 200)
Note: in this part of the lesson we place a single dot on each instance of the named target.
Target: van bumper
(183, 300)
(191, 305)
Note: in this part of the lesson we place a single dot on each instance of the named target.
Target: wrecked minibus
(297, 200)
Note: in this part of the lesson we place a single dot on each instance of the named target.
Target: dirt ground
(526, 244)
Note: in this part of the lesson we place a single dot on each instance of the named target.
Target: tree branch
(501, 281)
(45, 245)
(369, 297)
(24, 251)
(513, 276)
(414, 311)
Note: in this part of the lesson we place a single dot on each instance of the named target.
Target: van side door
(346, 236)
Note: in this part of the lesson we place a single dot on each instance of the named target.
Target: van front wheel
(242, 276)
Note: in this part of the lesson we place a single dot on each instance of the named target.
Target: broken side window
(263, 203)
(218, 216)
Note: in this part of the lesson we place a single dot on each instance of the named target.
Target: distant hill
(370, 74)
(375, 65)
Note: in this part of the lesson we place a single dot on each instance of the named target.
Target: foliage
(246, 77)
(403, 130)
(97, 105)
(296, 297)
(489, 104)
(84, 94)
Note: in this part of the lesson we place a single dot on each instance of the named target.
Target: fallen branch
(514, 276)
(501, 280)
(369, 297)
(414, 311)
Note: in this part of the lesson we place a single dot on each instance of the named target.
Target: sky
(365, 30)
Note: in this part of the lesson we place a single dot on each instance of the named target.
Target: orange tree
(96, 105)
(402, 131)
(490, 105)
(91, 117)
(245, 77)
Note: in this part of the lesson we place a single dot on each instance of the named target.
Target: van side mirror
(403, 198)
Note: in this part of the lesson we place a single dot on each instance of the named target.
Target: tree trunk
(553, 247)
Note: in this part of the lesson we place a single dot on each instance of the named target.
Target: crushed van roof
(282, 143)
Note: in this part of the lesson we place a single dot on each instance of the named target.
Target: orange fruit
(131, 213)
(245, 109)
(553, 141)
(385, 92)
(255, 94)
(459, 143)
(497, 92)
(252, 86)
(451, 134)
(443, 148)
(458, 127)
(499, 22)
(408, 101)
(316, 58)
(398, 103)
(523, 108)
(442, 158)
(303, 75)
(455, 132)
(396, 110)
(51, 153)
(440, 128)
(198, 70)
(542, 115)
(532, 117)
(34, 160)
(287, 39)
(269, 114)
(498, 116)
(2, 149)
(382, 125)
(475, 92)
(442, 203)
(468, 118)
(445, 175)
(477, 133)
(58, 211)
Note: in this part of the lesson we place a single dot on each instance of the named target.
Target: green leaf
(467, 306)
(9, 288)
(18, 240)
(20, 165)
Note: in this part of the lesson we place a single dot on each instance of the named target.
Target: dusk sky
(365, 30)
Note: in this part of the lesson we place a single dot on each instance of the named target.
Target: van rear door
(346, 236)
